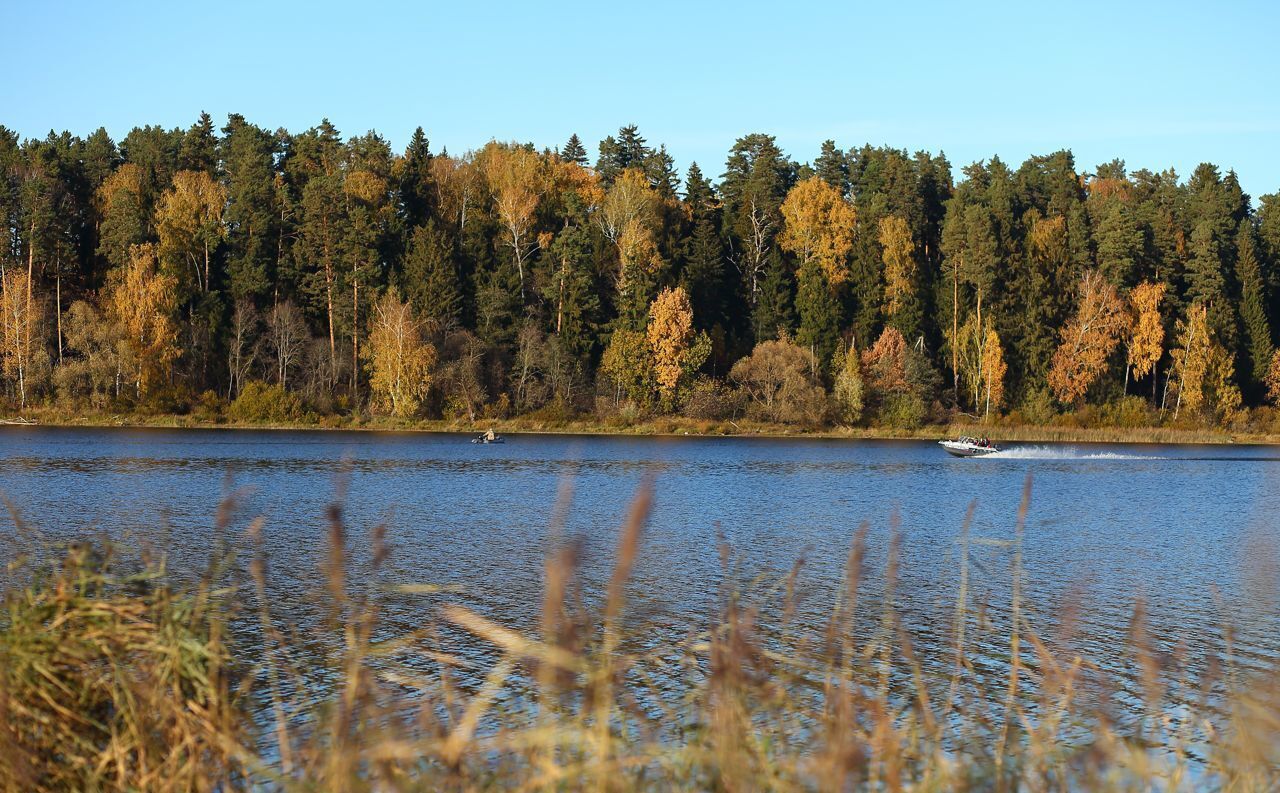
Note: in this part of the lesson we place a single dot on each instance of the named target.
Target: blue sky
(1159, 84)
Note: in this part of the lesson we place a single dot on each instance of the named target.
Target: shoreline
(676, 427)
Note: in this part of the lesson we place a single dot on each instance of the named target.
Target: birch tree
(1088, 339)
(403, 362)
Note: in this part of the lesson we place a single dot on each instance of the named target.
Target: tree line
(280, 273)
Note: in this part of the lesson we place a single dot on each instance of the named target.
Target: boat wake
(1063, 453)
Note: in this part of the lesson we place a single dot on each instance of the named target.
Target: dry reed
(123, 681)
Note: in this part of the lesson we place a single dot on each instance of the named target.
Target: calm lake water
(1192, 529)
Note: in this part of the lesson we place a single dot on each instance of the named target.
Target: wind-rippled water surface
(1190, 529)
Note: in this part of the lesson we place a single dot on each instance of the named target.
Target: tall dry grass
(117, 680)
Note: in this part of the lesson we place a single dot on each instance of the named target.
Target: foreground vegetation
(189, 271)
(117, 674)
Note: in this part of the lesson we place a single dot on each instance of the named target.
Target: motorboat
(969, 447)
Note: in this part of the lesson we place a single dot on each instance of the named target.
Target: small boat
(489, 437)
(969, 447)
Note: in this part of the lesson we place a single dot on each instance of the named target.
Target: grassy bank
(115, 675)
(661, 425)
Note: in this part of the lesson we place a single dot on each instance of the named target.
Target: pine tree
(832, 167)
(819, 312)
(569, 292)
(756, 181)
(199, 148)
(1258, 347)
(253, 214)
(430, 276)
(1119, 240)
(573, 151)
(703, 275)
(416, 188)
(772, 316)
(628, 150)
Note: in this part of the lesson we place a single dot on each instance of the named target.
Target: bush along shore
(267, 276)
(1256, 427)
(118, 674)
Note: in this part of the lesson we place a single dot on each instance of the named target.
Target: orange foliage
(670, 332)
(886, 362)
(1107, 187)
(1088, 339)
(143, 301)
(1146, 330)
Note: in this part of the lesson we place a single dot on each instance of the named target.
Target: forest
(255, 275)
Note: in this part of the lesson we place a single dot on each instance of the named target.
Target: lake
(1189, 529)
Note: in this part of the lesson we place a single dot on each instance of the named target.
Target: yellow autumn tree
(515, 177)
(993, 370)
(628, 217)
(1144, 342)
(189, 225)
(1272, 381)
(23, 359)
(677, 350)
(849, 388)
(458, 186)
(899, 262)
(142, 302)
(980, 358)
(818, 227)
(1088, 339)
(1205, 372)
(401, 358)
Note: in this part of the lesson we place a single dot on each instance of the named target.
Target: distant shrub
(556, 411)
(208, 406)
(167, 400)
(712, 399)
(1130, 412)
(781, 380)
(902, 411)
(1038, 407)
(260, 402)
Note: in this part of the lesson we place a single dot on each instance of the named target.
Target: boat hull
(966, 450)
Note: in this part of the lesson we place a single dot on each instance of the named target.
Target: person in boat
(489, 436)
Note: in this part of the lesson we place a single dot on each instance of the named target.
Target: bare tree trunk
(355, 335)
(564, 263)
(328, 294)
(955, 328)
(58, 309)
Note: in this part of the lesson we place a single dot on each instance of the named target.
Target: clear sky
(1158, 84)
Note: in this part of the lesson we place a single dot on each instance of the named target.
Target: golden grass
(1004, 431)
(117, 682)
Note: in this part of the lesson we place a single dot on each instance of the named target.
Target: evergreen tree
(1216, 206)
(755, 183)
(573, 151)
(772, 314)
(416, 189)
(1258, 347)
(1119, 239)
(819, 312)
(253, 217)
(628, 150)
(199, 148)
(832, 167)
(570, 293)
(429, 278)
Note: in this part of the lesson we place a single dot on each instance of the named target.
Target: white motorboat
(969, 447)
